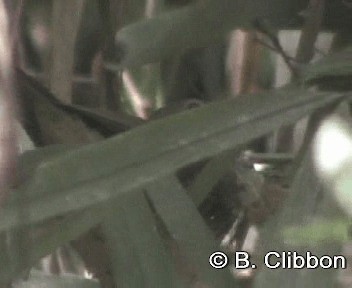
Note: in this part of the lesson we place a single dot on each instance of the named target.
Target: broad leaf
(196, 26)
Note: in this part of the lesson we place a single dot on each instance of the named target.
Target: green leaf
(31, 159)
(316, 233)
(334, 65)
(186, 226)
(299, 209)
(57, 233)
(138, 255)
(195, 26)
(98, 172)
(210, 175)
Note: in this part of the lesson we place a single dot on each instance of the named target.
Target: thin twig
(274, 49)
(264, 29)
(292, 59)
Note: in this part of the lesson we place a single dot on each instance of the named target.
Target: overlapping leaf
(56, 233)
(137, 252)
(98, 172)
(196, 26)
(188, 230)
(335, 65)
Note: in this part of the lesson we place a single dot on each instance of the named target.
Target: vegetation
(150, 120)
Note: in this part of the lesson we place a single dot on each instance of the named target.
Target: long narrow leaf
(57, 233)
(98, 172)
(300, 208)
(187, 228)
(210, 175)
(335, 65)
(138, 254)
